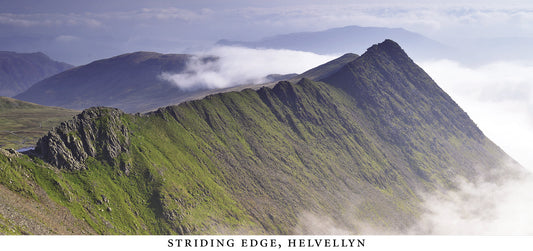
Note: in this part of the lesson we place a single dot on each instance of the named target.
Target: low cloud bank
(481, 207)
(226, 66)
(313, 224)
(497, 96)
(500, 203)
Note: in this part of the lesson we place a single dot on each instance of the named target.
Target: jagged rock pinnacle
(96, 131)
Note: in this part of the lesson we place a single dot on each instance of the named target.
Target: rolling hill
(23, 123)
(130, 82)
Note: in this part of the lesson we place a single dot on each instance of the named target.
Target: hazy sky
(81, 31)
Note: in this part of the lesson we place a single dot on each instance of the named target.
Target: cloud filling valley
(232, 66)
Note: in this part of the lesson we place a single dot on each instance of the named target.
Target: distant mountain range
(130, 82)
(18, 71)
(356, 149)
(347, 39)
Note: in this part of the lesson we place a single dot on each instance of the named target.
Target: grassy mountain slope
(355, 151)
(400, 99)
(18, 71)
(27, 205)
(23, 123)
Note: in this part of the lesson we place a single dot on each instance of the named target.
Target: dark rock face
(96, 132)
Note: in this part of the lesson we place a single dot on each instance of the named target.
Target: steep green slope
(27, 199)
(23, 123)
(125, 194)
(356, 151)
(408, 110)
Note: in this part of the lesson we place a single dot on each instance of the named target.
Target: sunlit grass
(22, 123)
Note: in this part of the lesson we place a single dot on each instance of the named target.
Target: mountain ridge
(357, 149)
(392, 52)
(132, 82)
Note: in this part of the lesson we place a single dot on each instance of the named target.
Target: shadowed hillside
(18, 71)
(130, 82)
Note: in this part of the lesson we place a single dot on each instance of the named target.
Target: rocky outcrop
(96, 132)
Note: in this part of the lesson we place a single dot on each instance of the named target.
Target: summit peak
(388, 49)
(387, 46)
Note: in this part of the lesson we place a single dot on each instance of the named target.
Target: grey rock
(96, 132)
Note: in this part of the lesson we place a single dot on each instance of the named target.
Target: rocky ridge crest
(96, 132)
